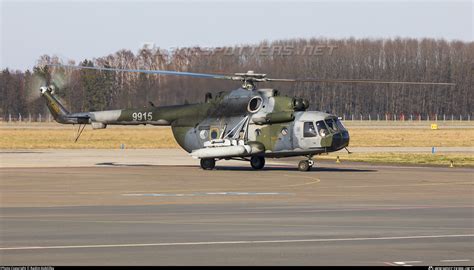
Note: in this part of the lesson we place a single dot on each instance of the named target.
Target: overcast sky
(87, 29)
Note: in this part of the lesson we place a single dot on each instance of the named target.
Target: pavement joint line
(241, 242)
(232, 224)
(249, 212)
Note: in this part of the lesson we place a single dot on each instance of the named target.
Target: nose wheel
(305, 165)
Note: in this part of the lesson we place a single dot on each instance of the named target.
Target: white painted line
(460, 260)
(230, 193)
(407, 262)
(242, 242)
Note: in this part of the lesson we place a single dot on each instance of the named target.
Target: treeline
(427, 60)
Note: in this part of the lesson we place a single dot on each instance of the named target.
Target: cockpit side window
(309, 130)
(331, 123)
(322, 129)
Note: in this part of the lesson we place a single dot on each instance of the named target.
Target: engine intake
(300, 104)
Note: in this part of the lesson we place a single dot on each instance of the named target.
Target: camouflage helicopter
(247, 123)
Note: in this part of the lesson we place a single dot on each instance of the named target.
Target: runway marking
(202, 191)
(410, 185)
(225, 193)
(460, 260)
(407, 263)
(315, 181)
(241, 242)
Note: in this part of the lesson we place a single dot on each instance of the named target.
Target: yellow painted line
(315, 181)
(304, 184)
(410, 185)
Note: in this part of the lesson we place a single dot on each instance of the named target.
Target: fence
(346, 117)
(404, 117)
(26, 118)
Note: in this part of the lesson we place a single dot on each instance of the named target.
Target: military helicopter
(247, 123)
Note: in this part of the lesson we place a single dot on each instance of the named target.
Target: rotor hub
(249, 78)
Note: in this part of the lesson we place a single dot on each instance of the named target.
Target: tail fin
(55, 107)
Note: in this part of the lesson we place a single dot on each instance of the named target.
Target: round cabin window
(254, 104)
(284, 131)
(214, 134)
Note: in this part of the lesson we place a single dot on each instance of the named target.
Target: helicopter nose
(340, 140)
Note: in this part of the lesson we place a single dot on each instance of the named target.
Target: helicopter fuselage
(275, 126)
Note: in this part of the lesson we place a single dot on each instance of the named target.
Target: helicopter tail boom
(59, 112)
(159, 116)
(55, 107)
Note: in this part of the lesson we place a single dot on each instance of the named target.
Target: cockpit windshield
(334, 125)
(333, 128)
(340, 125)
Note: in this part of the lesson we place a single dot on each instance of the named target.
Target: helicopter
(247, 123)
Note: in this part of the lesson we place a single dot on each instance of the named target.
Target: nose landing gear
(305, 165)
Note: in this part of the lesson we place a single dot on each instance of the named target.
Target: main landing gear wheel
(305, 165)
(257, 162)
(208, 163)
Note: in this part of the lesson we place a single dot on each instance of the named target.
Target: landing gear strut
(257, 162)
(305, 165)
(208, 163)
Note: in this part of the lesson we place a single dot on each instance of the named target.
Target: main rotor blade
(357, 81)
(158, 72)
(247, 77)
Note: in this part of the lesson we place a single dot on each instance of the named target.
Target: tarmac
(150, 157)
(124, 207)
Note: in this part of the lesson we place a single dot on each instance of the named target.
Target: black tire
(208, 163)
(257, 162)
(304, 166)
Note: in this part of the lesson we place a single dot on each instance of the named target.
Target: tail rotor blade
(59, 79)
(34, 88)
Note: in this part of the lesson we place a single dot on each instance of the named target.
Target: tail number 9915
(142, 116)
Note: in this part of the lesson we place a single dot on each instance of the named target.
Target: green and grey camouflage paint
(275, 127)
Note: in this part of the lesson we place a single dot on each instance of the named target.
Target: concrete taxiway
(149, 157)
(124, 211)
